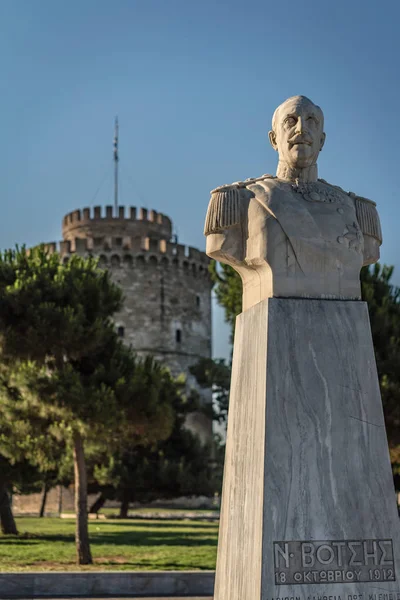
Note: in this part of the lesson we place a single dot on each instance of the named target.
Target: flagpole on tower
(116, 158)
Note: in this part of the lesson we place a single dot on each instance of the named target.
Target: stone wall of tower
(166, 286)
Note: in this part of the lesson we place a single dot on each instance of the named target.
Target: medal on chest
(317, 192)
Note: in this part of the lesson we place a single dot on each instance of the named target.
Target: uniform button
(340, 211)
(340, 239)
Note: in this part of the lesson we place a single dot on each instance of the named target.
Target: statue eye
(290, 121)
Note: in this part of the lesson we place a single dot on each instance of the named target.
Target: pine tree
(65, 359)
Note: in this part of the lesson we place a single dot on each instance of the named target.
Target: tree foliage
(228, 291)
(66, 363)
(383, 300)
(180, 465)
(214, 374)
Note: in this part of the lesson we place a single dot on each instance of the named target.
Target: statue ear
(272, 139)
(323, 138)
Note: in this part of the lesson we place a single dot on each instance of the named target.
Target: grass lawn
(48, 545)
(153, 509)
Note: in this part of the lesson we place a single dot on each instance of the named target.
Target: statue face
(297, 132)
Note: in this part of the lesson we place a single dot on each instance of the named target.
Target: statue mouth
(299, 143)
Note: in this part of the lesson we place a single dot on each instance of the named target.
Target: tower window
(197, 300)
(121, 331)
(178, 336)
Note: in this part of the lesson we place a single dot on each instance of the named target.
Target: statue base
(308, 503)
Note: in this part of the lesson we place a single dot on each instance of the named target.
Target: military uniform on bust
(310, 239)
(293, 235)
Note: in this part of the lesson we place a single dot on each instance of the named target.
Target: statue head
(298, 132)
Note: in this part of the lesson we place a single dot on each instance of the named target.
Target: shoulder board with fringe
(367, 217)
(224, 207)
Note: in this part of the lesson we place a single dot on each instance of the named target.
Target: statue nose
(299, 125)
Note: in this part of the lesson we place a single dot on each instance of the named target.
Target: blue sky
(194, 85)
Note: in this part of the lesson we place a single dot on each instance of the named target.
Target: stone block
(106, 584)
(308, 504)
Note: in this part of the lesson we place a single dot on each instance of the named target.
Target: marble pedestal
(308, 504)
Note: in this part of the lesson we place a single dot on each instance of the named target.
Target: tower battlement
(127, 251)
(96, 222)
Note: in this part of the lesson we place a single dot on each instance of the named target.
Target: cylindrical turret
(167, 286)
(95, 224)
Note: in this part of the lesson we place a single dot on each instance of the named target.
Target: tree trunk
(7, 521)
(84, 556)
(98, 503)
(59, 500)
(123, 510)
(43, 502)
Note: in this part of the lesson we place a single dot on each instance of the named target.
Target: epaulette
(367, 216)
(242, 184)
(224, 207)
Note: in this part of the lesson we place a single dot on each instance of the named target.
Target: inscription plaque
(334, 561)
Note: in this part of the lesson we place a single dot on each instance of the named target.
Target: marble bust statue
(293, 235)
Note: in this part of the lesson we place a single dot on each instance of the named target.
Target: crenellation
(194, 254)
(65, 247)
(193, 262)
(51, 247)
(151, 244)
(180, 250)
(127, 222)
(170, 248)
(143, 214)
(166, 222)
(81, 245)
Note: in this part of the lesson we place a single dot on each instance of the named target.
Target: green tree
(383, 300)
(228, 291)
(181, 465)
(58, 339)
(30, 459)
(214, 374)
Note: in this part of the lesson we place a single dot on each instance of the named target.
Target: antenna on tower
(116, 158)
